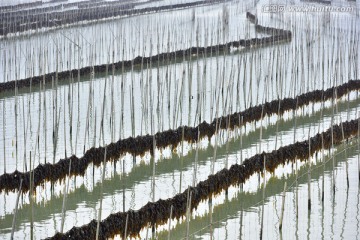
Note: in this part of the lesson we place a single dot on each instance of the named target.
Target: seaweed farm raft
(185, 119)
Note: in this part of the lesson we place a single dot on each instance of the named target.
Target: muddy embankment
(158, 213)
(277, 35)
(141, 144)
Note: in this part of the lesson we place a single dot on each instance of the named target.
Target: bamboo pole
(124, 183)
(211, 219)
(241, 219)
(227, 142)
(282, 208)
(126, 225)
(71, 109)
(4, 136)
(63, 211)
(64, 125)
(169, 228)
(132, 113)
(16, 208)
(263, 203)
(88, 110)
(346, 162)
(25, 129)
(188, 213)
(31, 201)
(101, 196)
(227, 151)
(103, 114)
(309, 173)
(196, 158)
(358, 138)
(215, 148)
(277, 125)
(95, 124)
(45, 120)
(112, 117)
(323, 178)
(261, 124)
(182, 157)
(241, 139)
(56, 118)
(78, 107)
(16, 124)
(53, 116)
(332, 148)
(153, 173)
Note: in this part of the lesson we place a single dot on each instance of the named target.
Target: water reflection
(311, 224)
(85, 199)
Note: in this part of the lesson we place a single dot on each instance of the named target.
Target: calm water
(183, 93)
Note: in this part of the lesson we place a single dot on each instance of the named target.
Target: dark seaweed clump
(277, 35)
(158, 212)
(141, 144)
